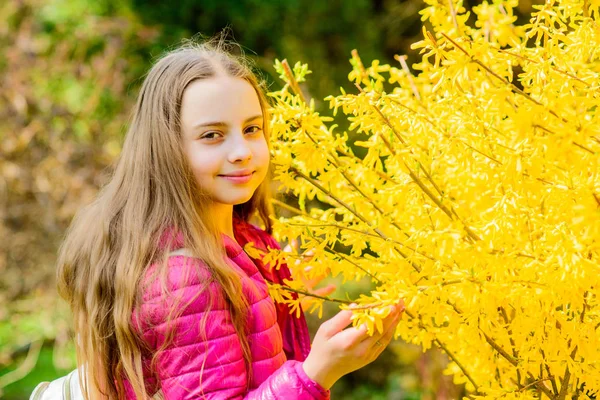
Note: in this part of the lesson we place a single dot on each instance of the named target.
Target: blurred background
(69, 74)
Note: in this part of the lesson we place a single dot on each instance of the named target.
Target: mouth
(238, 179)
(238, 176)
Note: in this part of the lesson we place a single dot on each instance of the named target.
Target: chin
(236, 200)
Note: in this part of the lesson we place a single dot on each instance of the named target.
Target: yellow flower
(476, 199)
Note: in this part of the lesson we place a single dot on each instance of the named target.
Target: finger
(327, 290)
(390, 320)
(352, 336)
(333, 326)
(312, 282)
(385, 340)
(400, 305)
(373, 346)
(292, 246)
(308, 255)
(306, 302)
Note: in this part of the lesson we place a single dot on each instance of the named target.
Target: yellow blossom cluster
(476, 198)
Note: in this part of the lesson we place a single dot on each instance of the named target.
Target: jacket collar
(233, 246)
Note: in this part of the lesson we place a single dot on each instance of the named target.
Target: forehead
(219, 99)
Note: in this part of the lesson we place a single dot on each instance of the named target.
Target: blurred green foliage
(69, 74)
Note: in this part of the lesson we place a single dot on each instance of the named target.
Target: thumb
(336, 324)
(327, 290)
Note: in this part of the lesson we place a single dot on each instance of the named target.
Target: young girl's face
(222, 129)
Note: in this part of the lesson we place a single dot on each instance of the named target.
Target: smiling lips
(243, 172)
(239, 177)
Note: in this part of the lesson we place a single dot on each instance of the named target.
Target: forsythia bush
(477, 200)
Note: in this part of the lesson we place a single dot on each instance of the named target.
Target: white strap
(181, 252)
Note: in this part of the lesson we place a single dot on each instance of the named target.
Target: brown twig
(512, 86)
(326, 298)
(292, 81)
(450, 354)
(402, 61)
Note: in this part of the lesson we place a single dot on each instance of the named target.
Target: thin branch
(535, 62)
(332, 251)
(534, 383)
(565, 382)
(513, 87)
(512, 343)
(381, 174)
(336, 164)
(415, 178)
(453, 13)
(361, 66)
(448, 352)
(402, 61)
(293, 83)
(300, 212)
(550, 375)
(336, 161)
(326, 298)
(584, 148)
(353, 211)
(341, 227)
(283, 205)
(334, 197)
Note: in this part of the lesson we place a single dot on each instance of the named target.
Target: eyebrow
(224, 124)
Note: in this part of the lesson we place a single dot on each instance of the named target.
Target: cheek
(263, 153)
(202, 162)
(265, 163)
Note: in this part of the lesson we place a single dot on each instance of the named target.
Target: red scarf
(296, 339)
(294, 331)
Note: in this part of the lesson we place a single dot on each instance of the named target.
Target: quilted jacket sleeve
(209, 365)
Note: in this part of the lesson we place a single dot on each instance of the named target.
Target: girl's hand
(309, 284)
(337, 351)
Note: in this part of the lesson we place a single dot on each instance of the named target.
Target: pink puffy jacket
(194, 368)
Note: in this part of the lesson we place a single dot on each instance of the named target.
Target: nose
(240, 149)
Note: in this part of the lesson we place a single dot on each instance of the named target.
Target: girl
(164, 298)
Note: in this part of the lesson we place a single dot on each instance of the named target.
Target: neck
(224, 219)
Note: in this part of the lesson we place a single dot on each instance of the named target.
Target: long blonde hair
(111, 243)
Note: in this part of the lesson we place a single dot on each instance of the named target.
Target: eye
(254, 129)
(210, 135)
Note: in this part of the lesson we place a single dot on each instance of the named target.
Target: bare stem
(316, 296)
(451, 213)
(453, 13)
(353, 211)
(288, 207)
(513, 87)
(336, 163)
(402, 61)
(292, 81)
(512, 343)
(567, 377)
(341, 227)
(550, 376)
(361, 67)
(584, 148)
(534, 383)
(450, 354)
